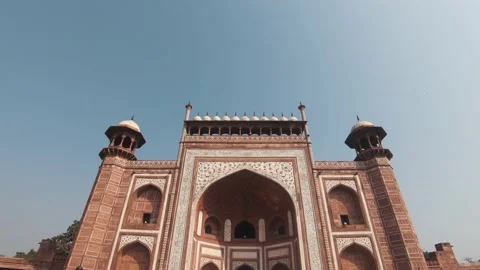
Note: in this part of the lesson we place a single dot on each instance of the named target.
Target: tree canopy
(63, 242)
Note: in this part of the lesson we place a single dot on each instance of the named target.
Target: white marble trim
(179, 234)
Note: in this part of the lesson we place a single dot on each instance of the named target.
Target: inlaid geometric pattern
(237, 264)
(204, 261)
(333, 183)
(343, 243)
(160, 183)
(210, 171)
(146, 240)
(285, 261)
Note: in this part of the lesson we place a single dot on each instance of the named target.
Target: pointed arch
(280, 266)
(212, 226)
(280, 172)
(277, 227)
(357, 257)
(244, 267)
(210, 266)
(344, 206)
(145, 206)
(133, 256)
(245, 230)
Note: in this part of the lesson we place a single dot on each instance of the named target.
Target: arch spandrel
(210, 172)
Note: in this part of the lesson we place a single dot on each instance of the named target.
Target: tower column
(401, 238)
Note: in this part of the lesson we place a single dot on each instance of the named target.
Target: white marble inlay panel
(244, 255)
(211, 252)
(284, 261)
(343, 243)
(278, 252)
(227, 233)
(181, 219)
(160, 183)
(146, 240)
(333, 183)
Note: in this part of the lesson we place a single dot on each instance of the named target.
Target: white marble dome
(361, 124)
(130, 124)
(216, 118)
(207, 118)
(273, 118)
(293, 118)
(226, 118)
(197, 118)
(254, 118)
(245, 118)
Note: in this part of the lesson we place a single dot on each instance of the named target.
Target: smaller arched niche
(133, 256)
(212, 227)
(357, 257)
(345, 207)
(145, 207)
(210, 266)
(245, 230)
(277, 228)
(280, 266)
(244, 267)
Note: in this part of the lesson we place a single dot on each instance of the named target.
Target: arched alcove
(212, 226)
(244, 267)
(246, 198)
(245, 230)
(356, 257)
(133, 256)
(127, 142)
(277, 227)
(145, 206)
(210, 266)
(345, 207)
(280, 266)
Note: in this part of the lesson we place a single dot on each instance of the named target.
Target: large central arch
(245, 209)
(182, 242)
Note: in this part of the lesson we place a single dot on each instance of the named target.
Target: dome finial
(254, 114)
(358, 118)
(216, 114)
(133, 116)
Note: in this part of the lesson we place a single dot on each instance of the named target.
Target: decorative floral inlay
(146, 240)
(160, 183)
(285, 261)
(333, 183)
(237, 264)
(208, 172)
(343, 243)
(178, 255)
(204, 261)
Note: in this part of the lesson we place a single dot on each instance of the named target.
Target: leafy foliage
(426, 254)
(27, 256)
(65, 240)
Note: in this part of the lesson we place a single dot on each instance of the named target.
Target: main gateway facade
(246, 193)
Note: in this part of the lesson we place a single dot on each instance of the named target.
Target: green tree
(62, 241)
(65, 240)
(27, 256)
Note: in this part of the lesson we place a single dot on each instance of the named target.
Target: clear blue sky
(69, 69)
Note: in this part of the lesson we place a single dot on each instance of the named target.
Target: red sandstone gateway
(245, 193)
